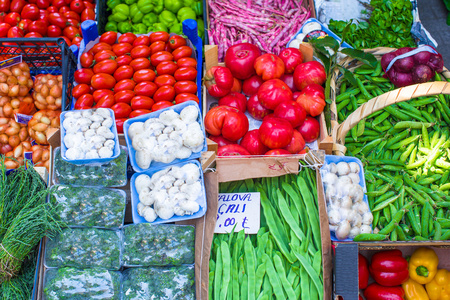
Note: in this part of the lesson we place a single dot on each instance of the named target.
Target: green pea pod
(176, 28)
(145, 6)
(124, 27)
(150, 19)
(157, 27)
(139, 28)
(137, 18)
(111, 26)
(167, 18)
(173, 5)
(186, 13)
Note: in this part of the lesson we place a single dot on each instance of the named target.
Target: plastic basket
(45, 56)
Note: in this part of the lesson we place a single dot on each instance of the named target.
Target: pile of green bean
(406, 157)
(282, 261)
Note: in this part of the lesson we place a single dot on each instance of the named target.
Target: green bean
(379, 192)
(387, 214)
(384, 197)
(380, 118)
(282, 276)
(445, 235)
(218, 274)
(244, 287)
(311, 272)
(250, 262)
(304, 283)
(416, 164)
(438, 231)
(363, 89)
(312, 213)
(226, 267)
(274, 279)
(210, 288)
(360, 127)
(259, 277)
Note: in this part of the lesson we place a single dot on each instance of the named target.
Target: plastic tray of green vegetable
(158, 245)
(84, 248)
(110, 174)
(90, 206)
(74, 284)
(159, 283)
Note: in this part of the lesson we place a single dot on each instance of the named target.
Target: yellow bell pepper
(423, 265)
(439, 287)
(414, 290)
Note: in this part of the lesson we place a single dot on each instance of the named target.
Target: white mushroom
(190, 207)
(367, 218)
(104, 112)
(168, 116)
(343, 168)
(354, 232)
(330, 179)
(354, 177)
(192, 173)
(189, 114)
(354, 167)
(334, 217)
(179, 211)
(142, 181)
(332, 168)
(108, 122)
(140, 209)
(365, 229)
(105, 152)
(183, 153)
(343, 230)
(135, 128)
(143, 159)
(92, 154)
(346, 202)
(149, 214)
(105, 132)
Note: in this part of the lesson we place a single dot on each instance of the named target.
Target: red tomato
(187, 62)
(159, 57)
(292, 58)
(218, 81)
(183, 97)
(310, 129)
(71, 32)
(106, 102)
(119, 124)
(15, 32)
(4, 27)
(86, 60)
(99, 47)
(54, 31)
(12, 18)
(176, 41)
(122, 48)
(139, 112)
(63, 9)
(30, 11)
(85, 101)
(121, 110)
(143, 40)
(77, 41)
(43, 16)
(157, 46)
(164, 93)
(269, 66)
(24, 24)
(144, 75)
(275, 133)
(127, 38)
(140, 63)
(180, 52)
(145, 88)
(104, 55)
(166, 67)
(273, 92)
(123, 72)
(73, 22)
(77, 6)
(108, 37)
(252, 143)
(124, 96)
(38, 26)
(124, 84)
(236, 100)
(312, 99)
(88, 4)
(161, 104)
(228, 121)
(58, 20)
(32, 35)
(83, 75)
(159, 36)
(167, 48)
(17, 5)
(142, 102)
(68, 42)
(108, 66)
(79, 90)
(123, 60)
(240, 59)
(99, 94)
(185, 87)
(140, 51)
(87, 14)
(163, 80)
(220, 140)
(56, 4)
(102, 81)
(71, 15)
(185, 73)
(308, 73)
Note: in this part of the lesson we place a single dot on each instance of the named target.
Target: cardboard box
(346, 261)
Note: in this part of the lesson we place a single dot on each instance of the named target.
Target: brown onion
(40, 127)
(4, 138)
(56, 91)
(14, 140)
(23, 134)
(10, 164)
(14, 91)
(18, 151)
(12, 131)
(40, 137)
(46, 154)
(26, 145)
(37, 155)
(50, 100)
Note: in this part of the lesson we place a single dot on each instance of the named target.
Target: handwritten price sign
(238, 209)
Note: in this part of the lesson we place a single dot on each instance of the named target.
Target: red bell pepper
(378, 292)
(219, 81)
(363, 271)
(389, 268)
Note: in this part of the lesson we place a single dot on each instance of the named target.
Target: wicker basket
(339, 131)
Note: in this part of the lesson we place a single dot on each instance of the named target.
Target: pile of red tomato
(45, 18)
(136, 75)
(284, 92)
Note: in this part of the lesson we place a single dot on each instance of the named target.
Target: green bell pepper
(173, 5)
(167, 18)
(186, 13)
(201, 28)
(124, 27)
(129, 2)
(138, 17)
(159, 6)
(139, 28)
(176, 28)
(112, 3)
(198, 8)
(133, 9)
(157, 27)
(150, 19)
(145, 6)
(120, 13)
(111, 26)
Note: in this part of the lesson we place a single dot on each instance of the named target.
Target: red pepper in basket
(389, 268)
(378, 292)
(363, 271)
